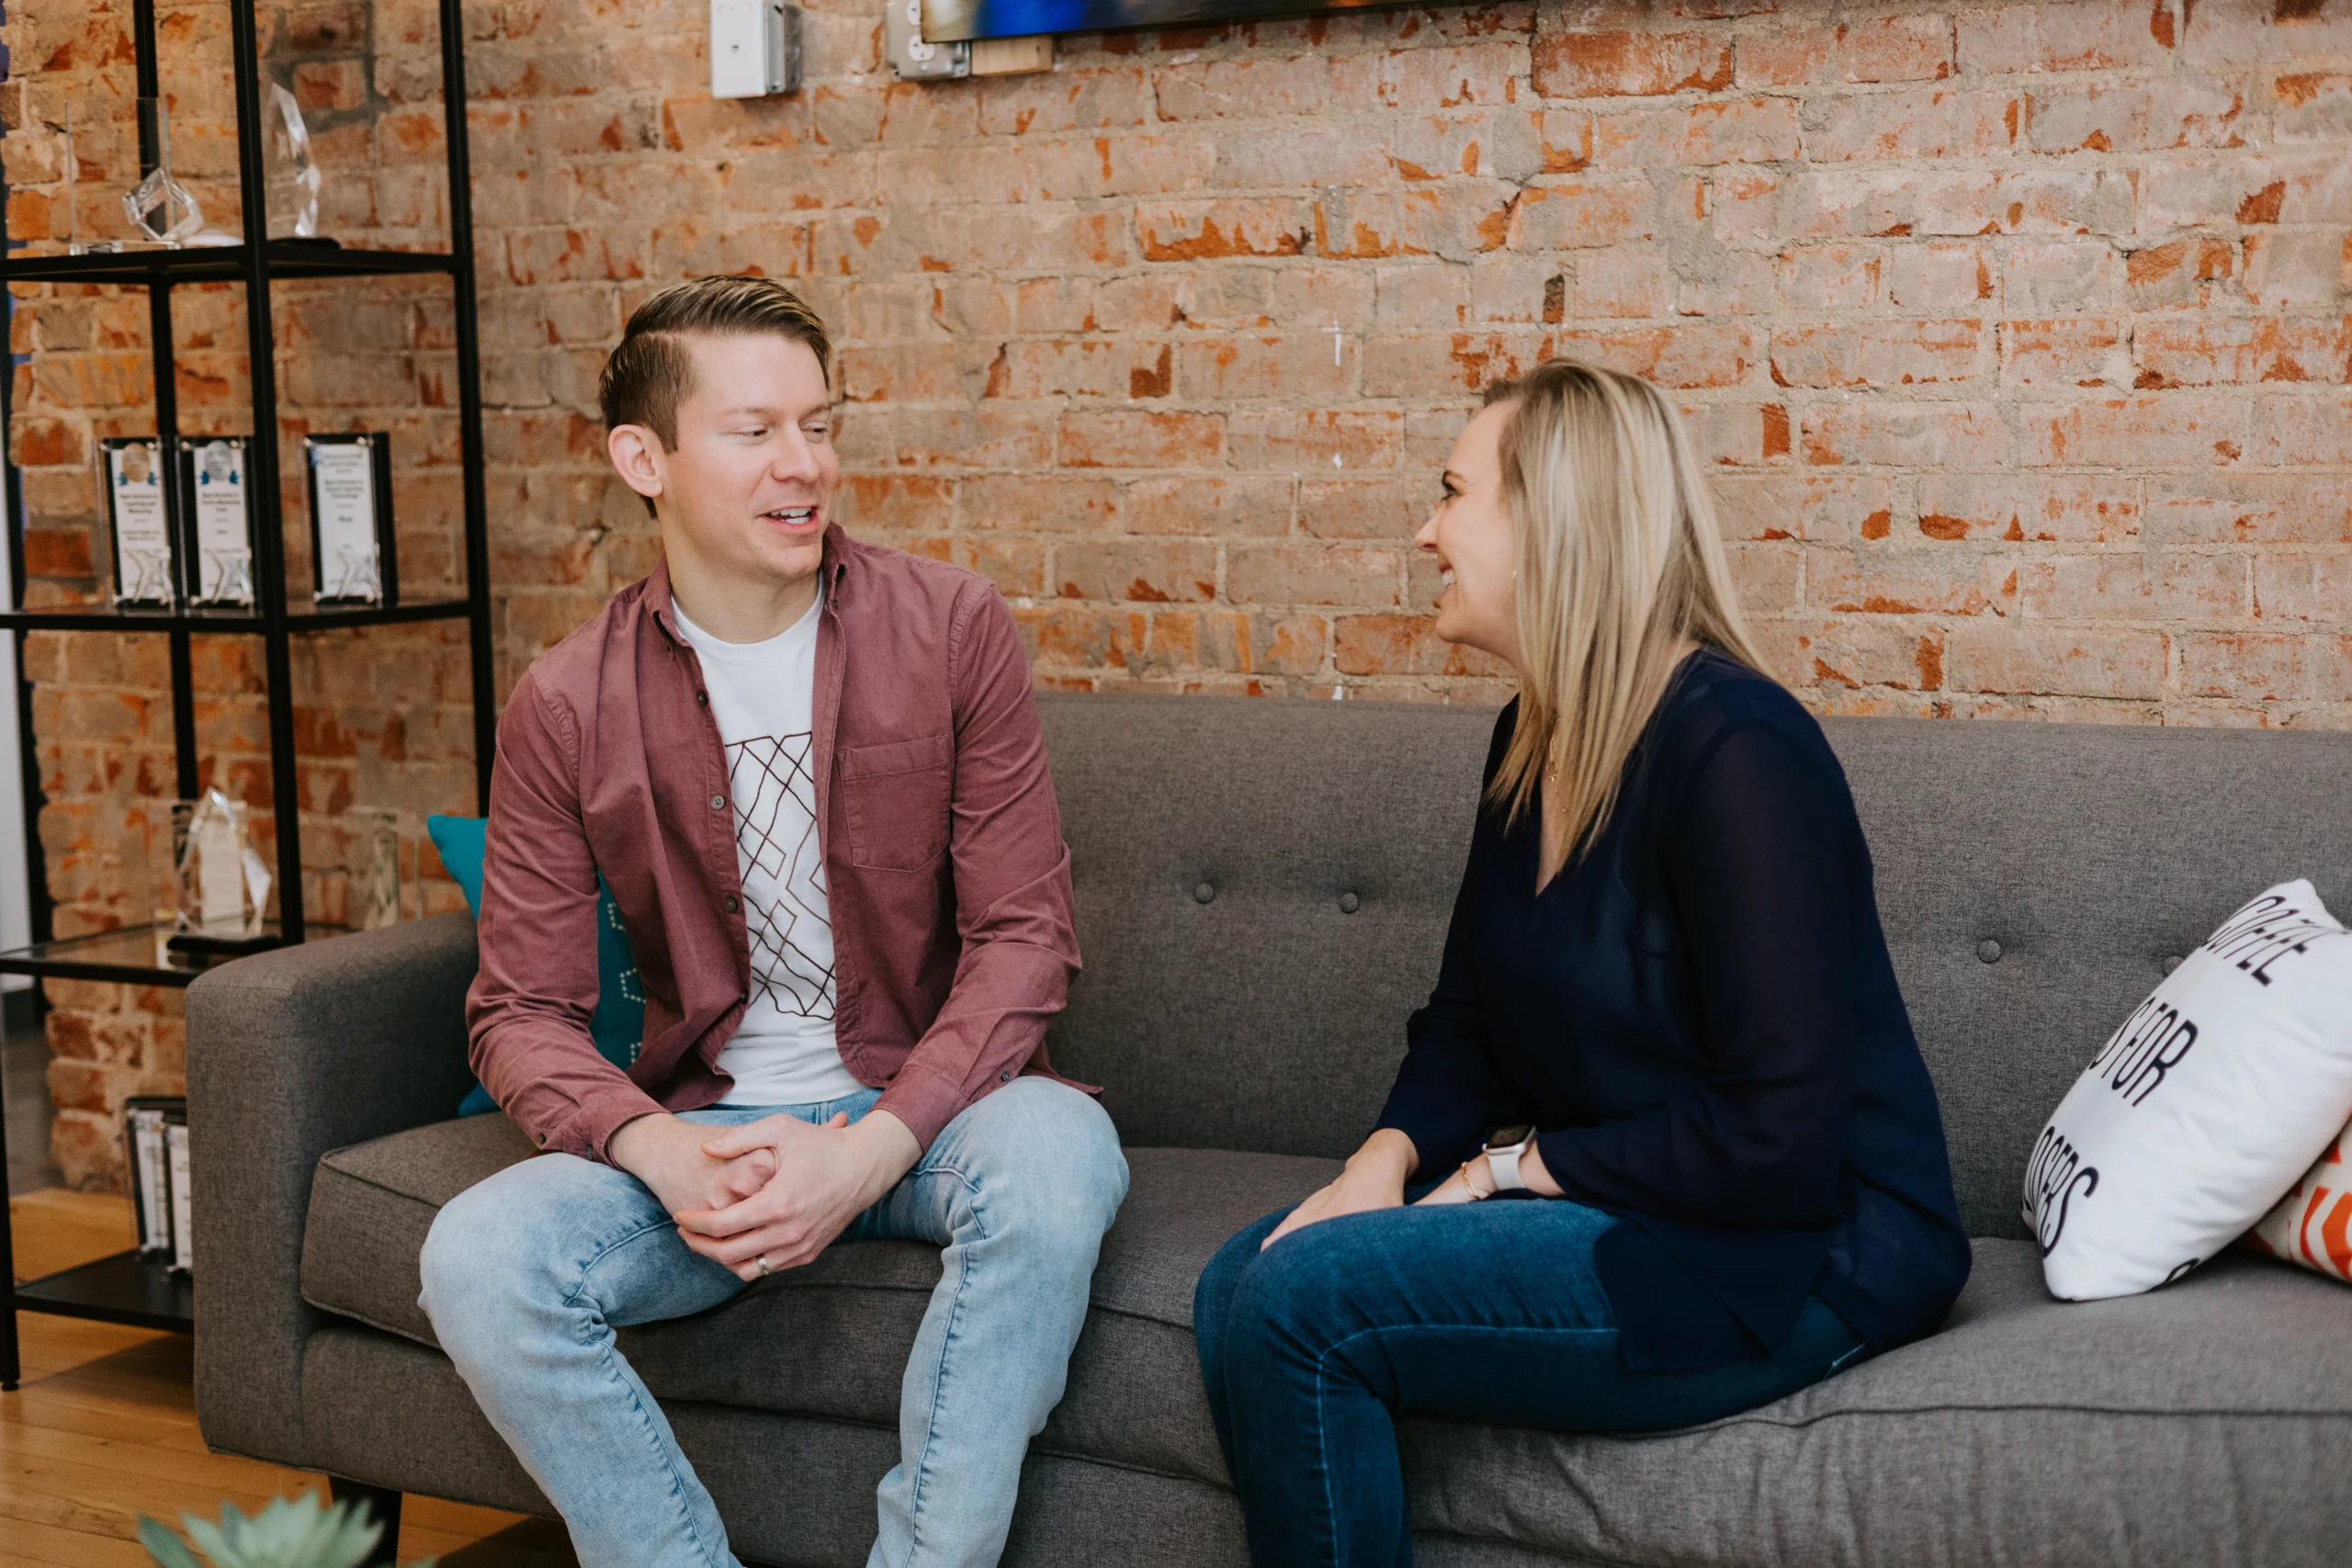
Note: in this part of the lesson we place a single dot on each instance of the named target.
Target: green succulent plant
(289, 1533)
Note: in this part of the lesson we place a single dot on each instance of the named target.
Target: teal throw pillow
(618, 1024)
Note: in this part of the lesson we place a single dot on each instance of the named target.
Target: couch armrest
(290, 1054)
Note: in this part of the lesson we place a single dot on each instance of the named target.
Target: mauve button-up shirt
(945, 872)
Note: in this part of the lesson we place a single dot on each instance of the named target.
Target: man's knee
(483, 1252)
(1050, 1163)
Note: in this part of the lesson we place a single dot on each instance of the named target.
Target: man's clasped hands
(771, 1194)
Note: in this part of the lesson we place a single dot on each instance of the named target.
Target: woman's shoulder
(1714, 697)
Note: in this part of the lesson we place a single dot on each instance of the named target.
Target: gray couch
(1262, 888)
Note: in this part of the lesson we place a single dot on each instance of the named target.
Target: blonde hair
(1620, 566)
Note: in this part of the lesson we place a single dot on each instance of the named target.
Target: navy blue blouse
(1699, 1015)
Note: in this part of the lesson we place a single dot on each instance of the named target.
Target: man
(811, 773)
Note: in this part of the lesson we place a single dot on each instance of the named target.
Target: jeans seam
(1322, 1356)
(939, 1372)
(607, 1355)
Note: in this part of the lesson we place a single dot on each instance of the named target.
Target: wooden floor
(103, 1429)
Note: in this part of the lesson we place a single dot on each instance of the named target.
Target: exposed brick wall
(2017, 337)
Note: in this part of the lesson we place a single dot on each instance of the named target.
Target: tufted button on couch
(1262, 889)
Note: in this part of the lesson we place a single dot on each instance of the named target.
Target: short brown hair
(653, 370)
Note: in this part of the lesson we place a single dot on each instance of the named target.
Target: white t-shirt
(762, 694)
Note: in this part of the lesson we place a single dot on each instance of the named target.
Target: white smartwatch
(1502, 1155)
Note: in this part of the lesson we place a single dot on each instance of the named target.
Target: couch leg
(383, 1505)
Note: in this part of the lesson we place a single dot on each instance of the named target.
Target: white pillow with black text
(2204, 1108)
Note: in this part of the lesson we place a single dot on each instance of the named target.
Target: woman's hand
(1375, 1178)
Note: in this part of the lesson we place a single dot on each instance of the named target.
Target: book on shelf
(155, 1128)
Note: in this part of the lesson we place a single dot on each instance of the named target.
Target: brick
(1630, 65)
(1581, 213)
(2065, 353)
(2138, 117)
(1880, 49)
(1917, 122)
(1351, 509)
(1622, 281)
(2313, 106)
(2266, 666)
(1706, 355)
(1337, 441)
(1253, 87)
(1767, 507)
(1449, 78)
(2309, 585)
(1360, 576)
(2304, 429)
(1836, 276)
(2178, 274)
(1217, 507)
(2152, 432)
(1033, 503)
(2187, 193)
(2178, 586)
(2287, 268)
(1205, 231)
(2046, 660)
(2084, 35)
(1892, 354)
(1940, 277)
(1870, 652)
(1117, 439)
(2058, 278)
(2208, 350)
(2018, 507)
(1752, 130)
(1156, 571)
(1936, 434)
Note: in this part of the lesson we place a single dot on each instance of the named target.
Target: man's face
(745, 490)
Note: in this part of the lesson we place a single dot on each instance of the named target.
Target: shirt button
(732, 903)
(719, 803)
(701, 699)
(1005, 1078)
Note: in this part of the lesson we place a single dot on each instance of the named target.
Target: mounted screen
(952, 21)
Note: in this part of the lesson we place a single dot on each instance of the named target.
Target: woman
(1665, 1013)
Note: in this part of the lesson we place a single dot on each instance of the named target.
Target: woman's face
(1470, 533)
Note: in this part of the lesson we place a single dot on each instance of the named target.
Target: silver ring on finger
(762, 1261)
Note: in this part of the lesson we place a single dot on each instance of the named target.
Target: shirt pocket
(896, 792)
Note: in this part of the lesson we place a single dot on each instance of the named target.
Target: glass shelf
(129, 956)
(321, 617)
(221, 264)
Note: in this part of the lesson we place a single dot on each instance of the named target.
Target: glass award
(371, 842)
(293, 176)
(215, 500)
(222, 885)
(351, 518)
(139, 524)
(159, 206)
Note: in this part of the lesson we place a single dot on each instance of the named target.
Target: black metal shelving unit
(125, 1287)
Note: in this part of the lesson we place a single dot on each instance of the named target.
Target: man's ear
(637, 455)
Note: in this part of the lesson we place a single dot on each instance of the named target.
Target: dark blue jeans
(1489, 1312)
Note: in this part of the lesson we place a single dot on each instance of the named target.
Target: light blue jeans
(528, 1274)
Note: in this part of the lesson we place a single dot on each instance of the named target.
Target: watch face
(1506, 1137)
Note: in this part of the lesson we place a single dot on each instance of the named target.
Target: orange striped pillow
(2312, 1224)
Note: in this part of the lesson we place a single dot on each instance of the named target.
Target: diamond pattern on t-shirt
(775, 795)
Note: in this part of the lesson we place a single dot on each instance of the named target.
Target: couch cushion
(832, 1338)
(2208, 1422)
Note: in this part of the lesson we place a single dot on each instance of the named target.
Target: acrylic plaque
(215, 496)
(139, 524)
(351, 518)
